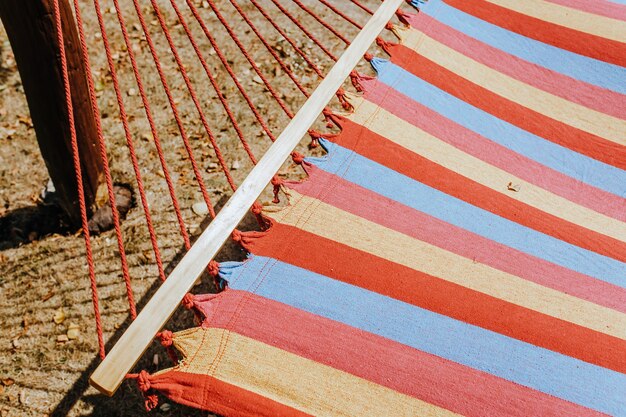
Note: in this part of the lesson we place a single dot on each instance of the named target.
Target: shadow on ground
(128, 395)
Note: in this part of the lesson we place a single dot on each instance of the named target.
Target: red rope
(288, 38)
(341, 14)
(79, 176)
(129, 140)
(179, 123)
(246, 54)
(192, 92)
(304, 29)
(322, 22)
(105, 160)
(362, 7)
(155, 135)
(230, 70)
(220, 96)
(271, 50)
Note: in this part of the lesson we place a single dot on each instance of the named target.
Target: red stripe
(589, 95)
(555, 131)
(428, 377)
(494, 154)
(364, 203)
(312, 252)
(599, 7)
(582, 43)
(211, 394)
(383, 151)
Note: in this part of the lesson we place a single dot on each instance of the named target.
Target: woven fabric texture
(461, 249)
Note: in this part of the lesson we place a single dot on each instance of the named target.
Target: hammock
(461, 249)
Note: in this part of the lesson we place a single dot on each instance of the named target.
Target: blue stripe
(523, 363)
(583, 68)
(389, 183)
(559, 158)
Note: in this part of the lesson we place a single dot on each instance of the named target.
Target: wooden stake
(120, 360)
(31, 30)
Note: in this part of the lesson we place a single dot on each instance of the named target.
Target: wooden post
(31, 30)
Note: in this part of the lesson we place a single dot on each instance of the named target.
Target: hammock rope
(78, 170)
(109, 184)
(293, 39)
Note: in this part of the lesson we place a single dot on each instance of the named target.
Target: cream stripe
(322, 219)
(416, 140)
(277, 374)
(573, 114)
(602, 26)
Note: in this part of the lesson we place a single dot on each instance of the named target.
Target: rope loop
(188, 301)
(166, 338)
(297, 158)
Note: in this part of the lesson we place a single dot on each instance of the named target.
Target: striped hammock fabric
(462, 247)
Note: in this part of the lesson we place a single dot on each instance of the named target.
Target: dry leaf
(7, 382)
(513, 187)
(59, 316)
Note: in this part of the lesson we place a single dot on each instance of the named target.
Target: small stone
(7, 382)
(59, 316)
(73, 331)
(155, 359)
(62, 338)
(211, 167)
(200, 208)
(165, 407)
(235, 166)
(132, 92)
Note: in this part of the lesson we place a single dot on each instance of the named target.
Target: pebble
(200, 208)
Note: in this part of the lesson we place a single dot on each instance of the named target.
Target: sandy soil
(46, 279)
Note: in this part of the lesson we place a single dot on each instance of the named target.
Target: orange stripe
(310, 251)
(558, 132)
(582, 43)
(415, 166)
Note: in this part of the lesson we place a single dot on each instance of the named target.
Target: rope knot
(188, 301)
(297, 158)
(368, 57)
(389, 26)
(143, 380)
(315, 138)
(341, 95)
(355, 80)
(151, 402)
(166, 338)
(257, 208)
(214, 268)
(236, 235)
(276, 182)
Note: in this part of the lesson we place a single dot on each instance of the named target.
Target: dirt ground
(48, 345)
